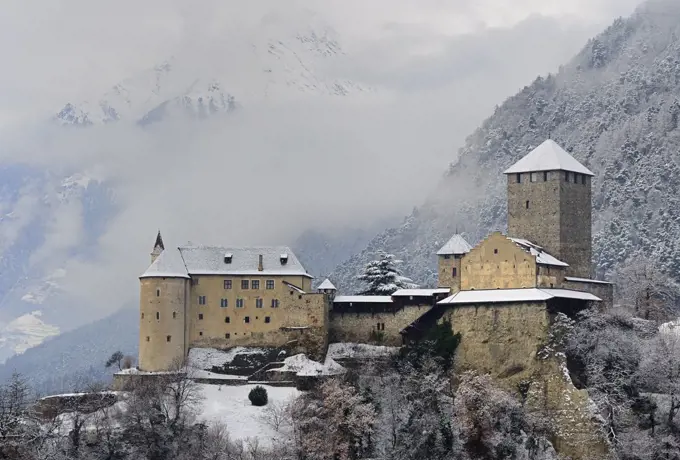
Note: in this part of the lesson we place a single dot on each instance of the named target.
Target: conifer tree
(383, 277)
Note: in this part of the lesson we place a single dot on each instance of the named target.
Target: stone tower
(164, 295)
(449, 258)
(549, 204)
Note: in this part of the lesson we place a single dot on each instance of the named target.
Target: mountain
(616, 107)
(24, 332)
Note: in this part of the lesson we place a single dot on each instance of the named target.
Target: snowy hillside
(24, 332)
(615, 106)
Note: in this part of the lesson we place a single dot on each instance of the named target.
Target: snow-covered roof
(420, 292)
(456, 245)
(514, 295)
(169, 264)
(585, 280)
(542, 257)
(548, 156)
(209, 260)
(363, 299)
(326, 285)
(294, 287)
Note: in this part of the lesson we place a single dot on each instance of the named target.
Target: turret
(449, 258)
(158, 247)
(327, 288)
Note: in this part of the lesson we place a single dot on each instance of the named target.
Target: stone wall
(550, 276)
(604, 291)
(363, 327)
(497, 263)
(576, 226)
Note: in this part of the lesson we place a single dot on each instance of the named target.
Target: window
(158, 315)
(224, 303)
(158, 292)
(566, 176)
(575, 178)
(447, 256)
(239, 303)
(258, 303)
(246, 319)
(200, 316)
(142, 315)
(267, 319)
(527, 204)
(174, 315)
(227, 320)
(519, 178)
(533, 177)
(270, 284)
(495, 251)
(583, 179)
(244, 284)
(168, 338)
(380, 326)
(255, 284)
(545, 176)
(227, 335)
(201, 300)
(454, 272)
(200, 333)
(148, 339)
(227, 284)
(275, 303)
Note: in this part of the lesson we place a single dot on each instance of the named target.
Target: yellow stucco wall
(550, 276)
(162, 314)
(497, 263)
(445, 272)
(363, 327)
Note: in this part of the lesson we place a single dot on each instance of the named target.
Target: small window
(246, 319)
(201, 300)
(566, 176)
(575, 178)
(267, 319)
(168, 338)
(227, 284)
(495, 251)
(148, 339)
(583, 179)
(447, 256)
(454, 272)
(158, 292)
(158, 315)
(239, 303)
(227, 320)
(545, 176)
(270, 284)
(258, 303)
(200, 333)
(174, 315)
(533, 177)
(519, 178)
(527, 204)
(227, 335)
(275, 303)
(244, 284)
(142, 315)
(200, 316)
(255, 284)
(224, 303)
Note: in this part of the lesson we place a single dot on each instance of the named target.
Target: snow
(671, 327)
(455, 246)
(26, 331)
(515, 295)
(303, 366)
(229, 405)
(548, 156)
(206, 358)
(420, 292)
(358, 350)
(542, 257)
(168, 265)
(294, 287)
(201, 374)
(326, 284)
(363, 299)
(209, 260)
(585, 280)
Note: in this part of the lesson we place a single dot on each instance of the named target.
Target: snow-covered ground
(359, 350)
(303, 366)
(206, 358)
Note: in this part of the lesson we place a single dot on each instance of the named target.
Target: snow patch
(359, 350)
(24, 332)
(207, 358)
(303, 366)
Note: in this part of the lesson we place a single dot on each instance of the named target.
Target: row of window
(245, 284)
(240, 303)
(568, 177)
(246, 319)
(158, 315)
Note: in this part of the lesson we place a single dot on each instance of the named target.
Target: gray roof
(548, 156)
(515, 295)
(456, 245)
(326, 285)
(209, 260)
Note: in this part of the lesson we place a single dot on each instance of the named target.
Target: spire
(158, 247)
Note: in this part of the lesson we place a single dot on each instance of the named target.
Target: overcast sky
(286, 161)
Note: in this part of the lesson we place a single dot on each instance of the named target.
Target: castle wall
(550, 276)
(446, 266)
(252, 325)
(162, 339)
(362, 327)
(504, 340)
(497, 263)
(604, 291)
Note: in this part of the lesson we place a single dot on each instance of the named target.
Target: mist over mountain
(615, 107)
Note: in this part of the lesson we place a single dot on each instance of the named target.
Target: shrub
(258, 396)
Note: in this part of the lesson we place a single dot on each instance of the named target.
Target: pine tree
(383, 277)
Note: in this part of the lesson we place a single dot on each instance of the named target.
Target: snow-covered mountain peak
(24, 332)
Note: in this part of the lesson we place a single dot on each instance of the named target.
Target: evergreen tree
(383, 277)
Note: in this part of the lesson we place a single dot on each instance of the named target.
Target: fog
(424, 75)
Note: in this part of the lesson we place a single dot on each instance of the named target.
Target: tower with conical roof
(549, 204)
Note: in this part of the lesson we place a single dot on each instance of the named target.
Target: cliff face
(616, 108)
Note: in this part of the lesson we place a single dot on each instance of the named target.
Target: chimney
(260, 267)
